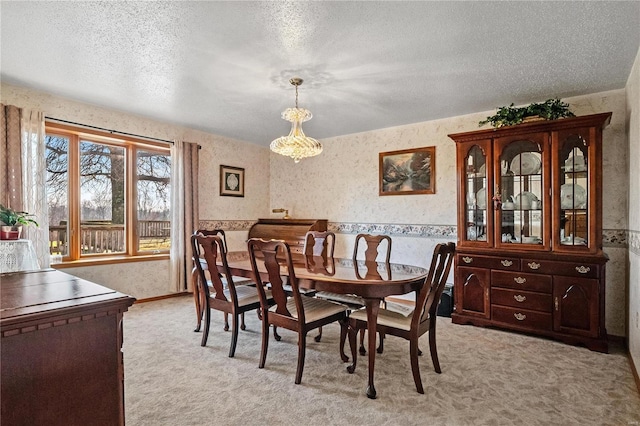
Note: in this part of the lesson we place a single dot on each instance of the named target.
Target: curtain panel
(23, 172)
(34, 178)
(10, 157)
(184, 212)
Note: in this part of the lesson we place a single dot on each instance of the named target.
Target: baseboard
(617, 340)
(166, 296)
(634, 370)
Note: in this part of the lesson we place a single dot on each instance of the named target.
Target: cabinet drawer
(569, 269)
(504, 263)
(521, 317)
(521, 281)
(521, 299)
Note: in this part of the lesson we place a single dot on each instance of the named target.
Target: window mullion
(131, 202)
(74, 197)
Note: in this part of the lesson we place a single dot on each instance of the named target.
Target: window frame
(131, 145)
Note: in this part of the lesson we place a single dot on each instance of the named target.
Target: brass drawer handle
(583, 269)
(520, 317)
(519, 298)
(506, 262)
(467, 259)
(520, 280)
(533, 265)
(556, 304)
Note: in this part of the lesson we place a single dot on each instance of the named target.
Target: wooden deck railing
(103, 237)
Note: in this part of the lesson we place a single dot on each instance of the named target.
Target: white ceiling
(224, 67)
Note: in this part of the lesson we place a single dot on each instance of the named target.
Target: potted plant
(551, 109)
(12, 223)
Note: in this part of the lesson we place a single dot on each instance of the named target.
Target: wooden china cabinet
(529, 255)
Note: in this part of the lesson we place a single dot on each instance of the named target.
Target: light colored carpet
(489, 377)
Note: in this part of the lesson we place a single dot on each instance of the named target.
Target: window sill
(110, 260)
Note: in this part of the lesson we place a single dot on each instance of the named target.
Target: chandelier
(296, 145)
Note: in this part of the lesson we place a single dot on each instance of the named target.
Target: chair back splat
(374, 242)
(319, 243)
(429, 296)
(270, 254)
(207, 248)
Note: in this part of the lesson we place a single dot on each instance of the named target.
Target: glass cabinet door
(520, 181)
(573, 196)
(477, 207)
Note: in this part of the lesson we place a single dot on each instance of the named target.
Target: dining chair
(198, 295)
(297, 312)
(372, 246)
(225, 297)
(317, 245)
(420, 321)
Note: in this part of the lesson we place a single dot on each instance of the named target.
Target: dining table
(373, 281)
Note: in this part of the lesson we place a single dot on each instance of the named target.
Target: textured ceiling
(223, 67)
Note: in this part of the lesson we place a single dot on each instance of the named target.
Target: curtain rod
(110, 131)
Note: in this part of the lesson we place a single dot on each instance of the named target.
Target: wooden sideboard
(61, 350)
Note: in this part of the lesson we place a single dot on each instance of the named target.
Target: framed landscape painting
(410, 171)
(231, 181)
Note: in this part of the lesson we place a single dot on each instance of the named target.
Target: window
(107, 196)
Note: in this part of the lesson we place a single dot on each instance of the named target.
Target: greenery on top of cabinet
(551, 109)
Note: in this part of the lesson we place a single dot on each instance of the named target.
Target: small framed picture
(231, 181)
(410, 171)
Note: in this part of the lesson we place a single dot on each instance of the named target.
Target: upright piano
(290, 230)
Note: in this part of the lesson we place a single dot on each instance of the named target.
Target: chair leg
(207, 323)
(275, 334)
(242, 325)
(226, 322)
(415, 367)
(381, 345)
(265, 341)
(352, 332)
(433, 349)
(319, 336)
(302, 346)
(196, 298)
(363, 351)
(343, 337)
(234, 335)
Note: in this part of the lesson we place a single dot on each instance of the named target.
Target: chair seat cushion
(238, 281)
(314, 309)
(349, 299)
(387, 318)
(305, 291)
(247, 295)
